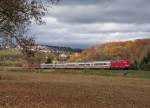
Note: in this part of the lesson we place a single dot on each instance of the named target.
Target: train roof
(89, 62)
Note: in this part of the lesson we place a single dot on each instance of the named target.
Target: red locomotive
(120, 64)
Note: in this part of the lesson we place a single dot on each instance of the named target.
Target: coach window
(97, 64)
(88, 64)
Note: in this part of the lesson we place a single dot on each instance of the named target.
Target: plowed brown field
(50, 90)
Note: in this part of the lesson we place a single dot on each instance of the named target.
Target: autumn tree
(145, 58)
(15, 18)
(50, 57)
(75, 58)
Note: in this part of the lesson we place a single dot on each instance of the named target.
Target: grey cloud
(85, 23)
(90, 34)
(83, 2)
(120, 11)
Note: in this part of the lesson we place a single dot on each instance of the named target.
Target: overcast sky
(85, 23)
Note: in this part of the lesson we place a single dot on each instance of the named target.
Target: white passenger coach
(98, 64)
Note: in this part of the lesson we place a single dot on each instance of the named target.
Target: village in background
(138, 52)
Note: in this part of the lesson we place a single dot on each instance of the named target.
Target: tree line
(138, 52)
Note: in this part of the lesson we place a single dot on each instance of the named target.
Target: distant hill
(46, 48)
(62, 50)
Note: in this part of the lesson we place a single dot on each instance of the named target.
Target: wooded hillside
(137, 51)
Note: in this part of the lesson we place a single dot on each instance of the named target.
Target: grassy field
(74, 89)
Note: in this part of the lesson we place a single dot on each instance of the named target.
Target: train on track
(110, 64)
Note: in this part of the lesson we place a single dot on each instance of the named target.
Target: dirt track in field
(49, 90)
